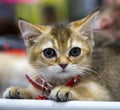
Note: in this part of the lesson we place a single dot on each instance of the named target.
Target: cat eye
(49, 53)
(75, 52)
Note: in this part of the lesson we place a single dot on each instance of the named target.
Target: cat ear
(92, 23)
(87, 25)
(30, 33)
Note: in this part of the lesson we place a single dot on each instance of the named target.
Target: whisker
(84, 76)
(39, 72)
(89, 71)
(92, 70)
(89, 68)
(88, 74)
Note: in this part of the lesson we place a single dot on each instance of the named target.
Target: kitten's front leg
(17, 93)
(63, 94)
(85, 91)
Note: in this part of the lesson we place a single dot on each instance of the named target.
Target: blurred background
(13, 62)
(38, 12)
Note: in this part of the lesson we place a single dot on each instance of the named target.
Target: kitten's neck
(57, 81)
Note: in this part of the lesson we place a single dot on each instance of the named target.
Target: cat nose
(63, 65)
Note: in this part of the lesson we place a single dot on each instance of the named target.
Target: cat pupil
(49, 53)
(75, 52)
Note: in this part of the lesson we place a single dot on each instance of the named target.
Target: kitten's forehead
(61, 37)
(64, 37)
(61, 33)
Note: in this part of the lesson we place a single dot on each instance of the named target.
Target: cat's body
(59, 53)
(108, 67)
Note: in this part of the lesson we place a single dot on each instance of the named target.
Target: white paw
(61, 94)
(16, 93)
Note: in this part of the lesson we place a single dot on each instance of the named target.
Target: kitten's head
(59, 51)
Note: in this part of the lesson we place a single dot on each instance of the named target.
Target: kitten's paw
(62, 94)
(16, 93)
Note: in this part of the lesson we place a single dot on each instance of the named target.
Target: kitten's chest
(53, 81)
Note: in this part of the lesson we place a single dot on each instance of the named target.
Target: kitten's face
(58, 51)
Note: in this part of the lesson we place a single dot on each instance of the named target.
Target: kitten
(61, 52)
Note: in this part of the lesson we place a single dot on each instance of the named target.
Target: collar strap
(43, 86)
(46, 87)
(72, 81)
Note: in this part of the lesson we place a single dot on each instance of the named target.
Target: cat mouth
(63, 72)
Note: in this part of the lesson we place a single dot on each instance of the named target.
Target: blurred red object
(110, 18)
(17, 52)
(19, 1)
(11, 44)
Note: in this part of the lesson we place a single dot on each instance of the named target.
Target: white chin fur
(57, 71)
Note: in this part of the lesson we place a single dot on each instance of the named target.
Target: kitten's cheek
(55, 69)
(69, 68)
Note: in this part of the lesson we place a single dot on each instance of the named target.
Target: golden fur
(62, 38)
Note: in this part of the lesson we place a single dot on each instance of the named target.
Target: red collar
(46, 87)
